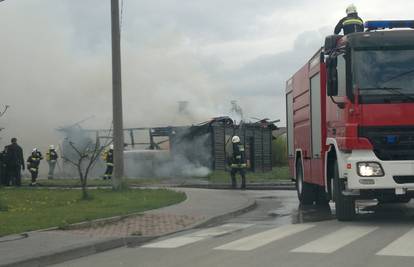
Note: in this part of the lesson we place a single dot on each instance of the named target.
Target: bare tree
(84, 158)
(2, 112)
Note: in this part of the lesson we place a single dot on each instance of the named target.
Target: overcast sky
(56, 65)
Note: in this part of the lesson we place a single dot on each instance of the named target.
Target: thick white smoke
(49, 81)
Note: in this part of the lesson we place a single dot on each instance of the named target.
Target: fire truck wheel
(344, 205)
(306, 193)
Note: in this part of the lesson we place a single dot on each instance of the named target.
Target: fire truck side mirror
(332, 79)
(331, 43)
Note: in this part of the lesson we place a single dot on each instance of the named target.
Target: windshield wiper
(394, 90)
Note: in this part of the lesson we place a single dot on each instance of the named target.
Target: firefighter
(238, 162)
(33, 163)
(351, 23)
(14, 162)
(108, 157)
(51, 158)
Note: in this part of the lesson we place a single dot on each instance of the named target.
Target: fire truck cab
(350, 119)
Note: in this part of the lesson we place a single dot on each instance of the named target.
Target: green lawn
(277, 174)
(217, 177)
(74, 182)
(35, 208)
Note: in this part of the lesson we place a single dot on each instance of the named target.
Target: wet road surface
(281, 233)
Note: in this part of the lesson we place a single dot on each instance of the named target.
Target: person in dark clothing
(3, 173)
(238, 162)
(351, 23)
(33, 163)
(51, 158)
(14, 162)
(109, 160)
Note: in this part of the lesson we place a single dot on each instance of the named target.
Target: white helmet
(51, 147)
(111, 146)
(235, 139)
(351, 9)
(34, 150)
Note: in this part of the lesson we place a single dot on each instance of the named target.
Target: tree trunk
(83, 183)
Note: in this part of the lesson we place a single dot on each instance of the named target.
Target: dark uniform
(238, 164)
(350, 24)
(14, 162)
(51, 158)
(109, 160)
(33, 162)
(3, 173)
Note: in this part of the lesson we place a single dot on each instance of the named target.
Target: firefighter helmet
(111, 146)
(51, 147)
(351, 9)
(235, 139)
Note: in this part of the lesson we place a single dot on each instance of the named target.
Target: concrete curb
(99, 222)
(74, 252)
(278, 186)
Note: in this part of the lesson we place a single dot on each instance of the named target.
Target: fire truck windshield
(384, 75)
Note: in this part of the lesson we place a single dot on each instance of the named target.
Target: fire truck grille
(391, 143)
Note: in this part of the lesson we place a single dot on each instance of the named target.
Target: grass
(32, 209)
(216, 177)
(277, 174)
(74, 182)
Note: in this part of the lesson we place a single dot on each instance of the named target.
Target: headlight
(370, 169)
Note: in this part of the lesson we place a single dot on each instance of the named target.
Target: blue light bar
(388, 24)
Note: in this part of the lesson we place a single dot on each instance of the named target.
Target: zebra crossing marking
(336, 240)
(329, 243)
(264, 238)
(403, 246)
(174, 242)
(190, 238)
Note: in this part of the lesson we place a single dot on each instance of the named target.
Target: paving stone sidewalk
(141, 225)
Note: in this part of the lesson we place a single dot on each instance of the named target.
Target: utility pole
(118, 133)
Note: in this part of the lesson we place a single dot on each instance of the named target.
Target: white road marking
(264, 238)
(221, 230)
(174, 242)
(190, 238)
(335, 240)
(403, 246)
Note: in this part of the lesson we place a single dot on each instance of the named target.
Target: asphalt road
(279, 233)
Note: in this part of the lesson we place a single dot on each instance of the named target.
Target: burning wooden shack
(188, 150)
(209, 143)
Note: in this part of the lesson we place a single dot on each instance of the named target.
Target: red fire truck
(350, 119)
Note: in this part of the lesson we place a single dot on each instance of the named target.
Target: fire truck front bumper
(364, 170)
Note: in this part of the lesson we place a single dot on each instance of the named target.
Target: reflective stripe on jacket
(239, 166)
(353, 21)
